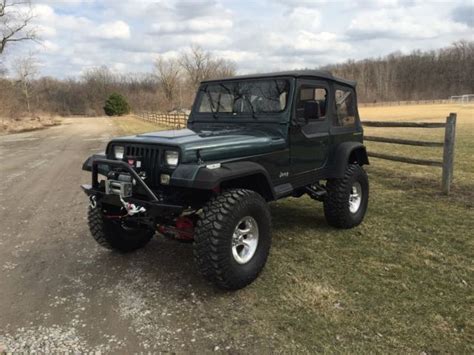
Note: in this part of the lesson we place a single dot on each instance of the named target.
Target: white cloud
(113, 30)
(302, 3)
(311, 18)
(42, 12)
(413, 23)
(50, 47)
(194, 25)
(259, 35)
(44, 31)
(304, 42)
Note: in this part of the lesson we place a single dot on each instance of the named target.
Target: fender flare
(209, 179)
(87, 165)
(345, 153)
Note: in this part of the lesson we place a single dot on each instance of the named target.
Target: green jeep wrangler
(249, 140)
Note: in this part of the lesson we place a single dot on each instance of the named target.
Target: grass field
(132, 125)
(401, 282)
(426, 176)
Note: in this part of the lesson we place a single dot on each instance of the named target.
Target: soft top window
(316, 93)
(244, 97)
(345, 107)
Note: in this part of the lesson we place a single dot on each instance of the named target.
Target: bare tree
(99, 83)
(224, 68)
(200, 65)
(168, 73)
(26, 70)
(15, 22)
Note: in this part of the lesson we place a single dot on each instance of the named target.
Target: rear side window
(345, 107)
(312, 93)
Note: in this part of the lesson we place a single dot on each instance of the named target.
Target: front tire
(233, 238)
(347, 198)
(114, 234)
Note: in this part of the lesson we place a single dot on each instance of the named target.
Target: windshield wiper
(254, 116)
(211, 105)
(211, 102)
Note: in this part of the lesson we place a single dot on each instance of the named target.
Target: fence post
(448, 152)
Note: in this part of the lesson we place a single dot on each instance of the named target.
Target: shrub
(116, 105)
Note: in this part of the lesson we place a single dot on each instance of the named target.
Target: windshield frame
(250, 116)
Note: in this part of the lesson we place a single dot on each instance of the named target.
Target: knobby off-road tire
(223, 218)
(342, 207)
(114, 235)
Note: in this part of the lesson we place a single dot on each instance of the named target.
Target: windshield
(244, 97)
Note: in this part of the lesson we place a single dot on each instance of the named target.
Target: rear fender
(347, 153)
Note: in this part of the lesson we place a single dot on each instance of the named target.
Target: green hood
(213, 145)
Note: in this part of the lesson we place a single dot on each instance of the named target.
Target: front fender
(200, 177)
(102, 169)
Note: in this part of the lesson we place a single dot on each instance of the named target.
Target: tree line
(436, 74)
(171, 86)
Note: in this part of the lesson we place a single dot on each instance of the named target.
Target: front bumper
(153, 203)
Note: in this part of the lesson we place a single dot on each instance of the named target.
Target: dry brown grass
(133, 125)
(25, 124)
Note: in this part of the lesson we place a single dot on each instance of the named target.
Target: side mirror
(311, 110)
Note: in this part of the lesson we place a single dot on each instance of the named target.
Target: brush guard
(120, 193)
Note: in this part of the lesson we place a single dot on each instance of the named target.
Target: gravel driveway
(59, 291)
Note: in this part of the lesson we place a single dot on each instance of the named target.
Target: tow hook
(92, 201)
(131, 208)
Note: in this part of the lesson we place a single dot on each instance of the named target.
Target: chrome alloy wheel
(355, 197)
(245, 240)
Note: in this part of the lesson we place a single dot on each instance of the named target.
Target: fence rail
(401, 103)
(176, 120)
(403, 141)
(447, 163)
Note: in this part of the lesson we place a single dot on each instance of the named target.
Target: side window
(312, 93)
(345, 107)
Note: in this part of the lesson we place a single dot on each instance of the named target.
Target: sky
(259, 35)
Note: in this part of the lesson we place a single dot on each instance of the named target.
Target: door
(309, 137)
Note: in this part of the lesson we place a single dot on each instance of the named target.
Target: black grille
(150, 160)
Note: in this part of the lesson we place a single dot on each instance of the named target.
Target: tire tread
(210, 250)
(336, 208)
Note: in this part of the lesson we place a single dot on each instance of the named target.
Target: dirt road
(60, 291)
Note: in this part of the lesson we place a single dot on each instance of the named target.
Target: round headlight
(171, 158)
(118, 152)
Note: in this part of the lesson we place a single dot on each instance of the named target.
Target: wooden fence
(402, 103)
(176, 120)
(447, 163)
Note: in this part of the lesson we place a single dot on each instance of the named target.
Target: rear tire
(347, 198)
(232, 239)
(114, 234)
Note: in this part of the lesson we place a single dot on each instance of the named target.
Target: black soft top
(321, 74)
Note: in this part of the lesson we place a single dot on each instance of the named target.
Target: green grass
(401, 282)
